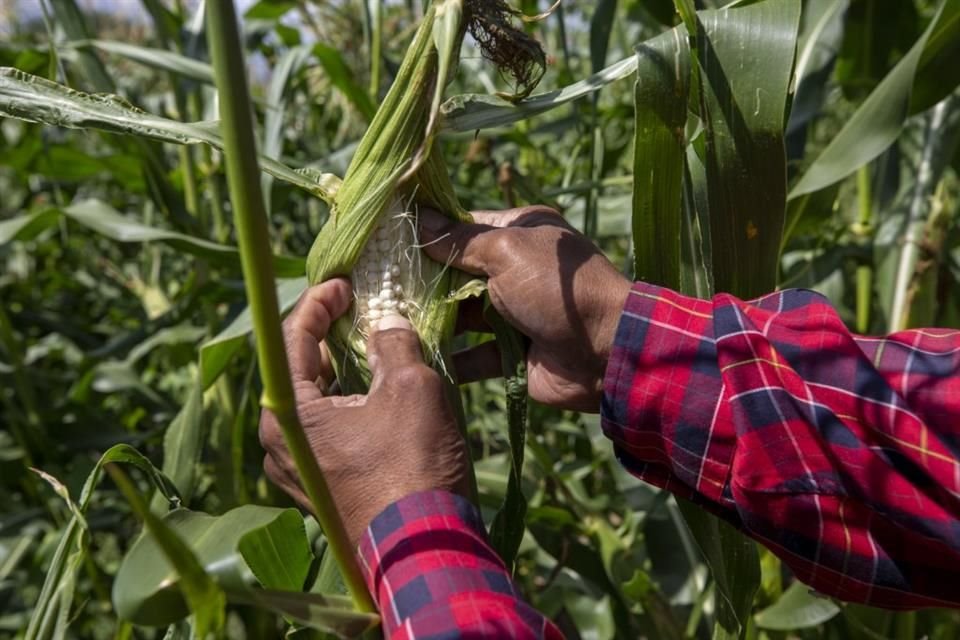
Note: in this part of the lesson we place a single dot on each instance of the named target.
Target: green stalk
(250, 220)
(375, 12)
(863, 232)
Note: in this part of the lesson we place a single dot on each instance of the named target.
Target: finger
(464, 246)
(271, 437)
(288, 483)
(307, 326)
(532, 216)
(393, 345)
(470, 317)
(481, 362)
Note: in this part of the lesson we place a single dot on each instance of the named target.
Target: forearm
(835, 451)
(431, 571)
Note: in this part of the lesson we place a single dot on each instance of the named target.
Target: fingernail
(432, 220)
(393, 321)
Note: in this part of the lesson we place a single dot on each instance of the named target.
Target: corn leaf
(242, 550)
(183, 445)
(35, 99)
(108, 222)
(661, 96)
(246, 546)
(56, 595)
(796, 609)
(879, 121)
(506, 530)
(746, 58)
(278, 91)
(205, 598)
(156, 58)
(734, 564)
(468, 112)
(342, 78)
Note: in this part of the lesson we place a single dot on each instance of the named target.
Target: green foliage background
(122, 315)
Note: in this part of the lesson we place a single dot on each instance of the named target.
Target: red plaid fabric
(838, 452)
(433, 575)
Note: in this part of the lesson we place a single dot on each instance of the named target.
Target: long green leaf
(342, 78)
(473, 111)
(734, 564)
(156, 58)
(230, 548)
(277, 95)
(183, 444)
(746, 58)
(204, 597)
(508, 525)
(35, 99)
(107, 221)
(879, 121)
(939, 74)
(661, 95)
(56, 594)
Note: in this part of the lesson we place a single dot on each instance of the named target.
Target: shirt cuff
(428, 548)
(663, 402)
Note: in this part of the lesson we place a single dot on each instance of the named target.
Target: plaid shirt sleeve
(838, 452)
(433, 575)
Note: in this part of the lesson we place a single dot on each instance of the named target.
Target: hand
(551, 283)
(374, 449)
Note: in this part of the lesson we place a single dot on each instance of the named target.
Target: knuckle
(413, 376)
(505, 243)
(539, 209)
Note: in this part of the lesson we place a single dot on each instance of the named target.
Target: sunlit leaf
(796, 609)
(879, 121)
(147, 587)
(473, 111)
(107, 221)
(34, 99)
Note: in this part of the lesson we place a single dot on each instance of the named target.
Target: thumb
(393, 346)
(464, 246)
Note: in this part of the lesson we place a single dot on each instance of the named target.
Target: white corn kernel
(395, 270)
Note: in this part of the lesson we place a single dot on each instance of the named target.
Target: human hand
(399, 439)
(547, 280)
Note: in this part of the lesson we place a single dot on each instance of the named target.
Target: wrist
(615, 293)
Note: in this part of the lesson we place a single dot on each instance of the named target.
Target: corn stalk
(243, 176)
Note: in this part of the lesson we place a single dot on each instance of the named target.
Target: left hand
(399, 439)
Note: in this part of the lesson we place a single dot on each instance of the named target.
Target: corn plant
(706, 146)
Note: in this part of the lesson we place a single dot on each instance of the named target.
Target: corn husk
(394, 172)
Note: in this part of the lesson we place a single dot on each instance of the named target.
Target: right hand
(548, 281)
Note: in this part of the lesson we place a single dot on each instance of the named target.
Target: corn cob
(371, 235)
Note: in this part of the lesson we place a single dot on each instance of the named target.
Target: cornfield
(175, 174)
